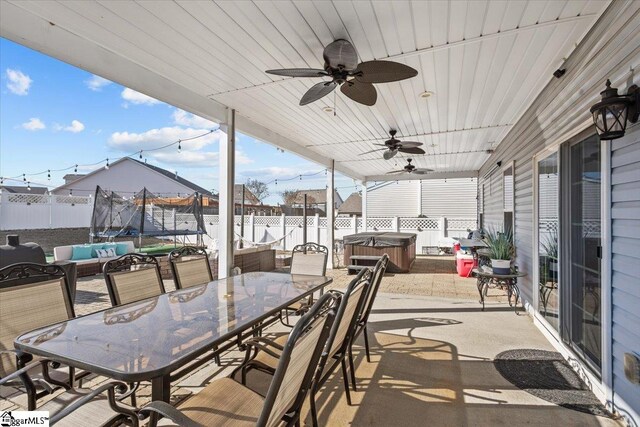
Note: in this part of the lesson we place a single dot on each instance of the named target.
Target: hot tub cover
(380, 239)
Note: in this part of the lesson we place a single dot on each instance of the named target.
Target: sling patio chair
(264, 355)
(44, 304)
(225, 402)
(132, 277)
(190, 267)
(44, 300)
(310, 259)
(361, 325)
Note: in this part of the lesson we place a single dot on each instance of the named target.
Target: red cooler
(464, 264)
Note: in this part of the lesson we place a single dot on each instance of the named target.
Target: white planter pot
(501, 266)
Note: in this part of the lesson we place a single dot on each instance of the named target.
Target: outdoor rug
(547, 375)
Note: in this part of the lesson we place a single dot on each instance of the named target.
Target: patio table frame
(490, 280)
(161, 376)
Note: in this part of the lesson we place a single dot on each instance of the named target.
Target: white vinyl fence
(266, 229)
(39, 211)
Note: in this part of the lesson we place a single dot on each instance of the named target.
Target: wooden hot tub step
(353, 268)
(365, 257)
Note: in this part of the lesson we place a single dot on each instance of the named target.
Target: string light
(140, 154)
(180, 145)
(71, 191)
(28, 185)
(107, 165)
(49, 175)
(24, 179)
(1, 180)
(76, 169)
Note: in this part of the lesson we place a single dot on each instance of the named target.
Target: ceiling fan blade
(298, 72)
(411, 150)
(372, 151)
(389, 154)
(383, 72)
(410, 144)
(364, 93)
(421, 171)
(317, 91)
(341, 53)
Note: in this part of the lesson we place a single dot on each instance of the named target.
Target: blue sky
(54, 115)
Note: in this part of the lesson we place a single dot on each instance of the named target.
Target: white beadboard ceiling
(485, 62)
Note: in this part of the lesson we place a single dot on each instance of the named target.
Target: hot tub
(401, 248)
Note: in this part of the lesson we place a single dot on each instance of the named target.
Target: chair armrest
(109, 387)
(168, 411)
(17, 374)
(264, 344)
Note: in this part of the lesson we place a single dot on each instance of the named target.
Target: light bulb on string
(24, 178)
(140, 154)
(28, 185)
(76, 169)
(1, 180)
(300, 177)
(107, 165)
(179, 145)
(176, 177)
(276, 182)
(71, 191)
(49, 174)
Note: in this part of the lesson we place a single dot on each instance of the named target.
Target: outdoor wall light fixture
(610, 115)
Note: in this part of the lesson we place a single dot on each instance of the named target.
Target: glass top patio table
(151, 338)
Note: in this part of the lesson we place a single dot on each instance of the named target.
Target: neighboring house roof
(249, 197)
(172, 175)
(23, 189)
(318, 196)
(353, 205)
(166, 173)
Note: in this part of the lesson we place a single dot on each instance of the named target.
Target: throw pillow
(79, 252)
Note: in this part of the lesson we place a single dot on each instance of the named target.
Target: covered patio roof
(484, 62)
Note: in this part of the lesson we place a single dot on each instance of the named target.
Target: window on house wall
(508, 199)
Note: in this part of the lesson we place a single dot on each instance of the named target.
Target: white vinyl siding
(394, 199)
(625, 265)
(451, 198)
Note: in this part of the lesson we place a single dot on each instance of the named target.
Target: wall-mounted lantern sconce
(610, 115)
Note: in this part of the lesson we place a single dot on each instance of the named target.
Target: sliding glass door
(582, 270)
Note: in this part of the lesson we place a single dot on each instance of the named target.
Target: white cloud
(273, 172)
(19, 83)
(192, 153)
(138, 98)
(34, 124)
(96, 83)
(181, 117)
(75, 127)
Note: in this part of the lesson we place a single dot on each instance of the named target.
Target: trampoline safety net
(146, 214)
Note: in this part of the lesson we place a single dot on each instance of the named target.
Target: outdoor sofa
(87, 258)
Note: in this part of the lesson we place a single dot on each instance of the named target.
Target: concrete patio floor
(432, 359)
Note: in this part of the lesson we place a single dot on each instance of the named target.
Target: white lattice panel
(294, 220)
(212, 219)
(323, 222)
(461, 224)
(550, 224)
(419, 223)
(380, 223)
(28, 198)
(73, 200)
(359, 224)
(267, 220)
(343, 223)
(311, 220)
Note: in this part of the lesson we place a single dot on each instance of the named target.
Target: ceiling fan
(355, 80)
(393, 146)
(409, 168)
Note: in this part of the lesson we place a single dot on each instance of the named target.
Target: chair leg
(345, 378)
(314, 412)
(366, 344)
(133, 395)
(352, 369)
(243, 377)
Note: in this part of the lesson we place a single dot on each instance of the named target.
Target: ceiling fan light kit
(411, 168)
(355, 79)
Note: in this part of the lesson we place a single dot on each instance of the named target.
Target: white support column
(225, 200)
(364, 206)
(316, 223)
(252, 227)
(330, 212)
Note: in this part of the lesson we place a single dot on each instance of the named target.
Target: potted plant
(501, 250)
(550, 246)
